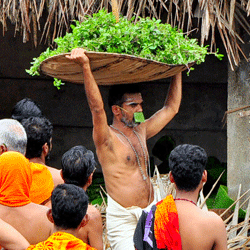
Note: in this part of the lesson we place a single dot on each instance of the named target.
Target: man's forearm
(173, 99)
(92, 90)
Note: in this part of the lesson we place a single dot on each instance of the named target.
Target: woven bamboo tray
(110, 68)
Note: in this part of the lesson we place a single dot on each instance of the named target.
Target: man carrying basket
(121, 149)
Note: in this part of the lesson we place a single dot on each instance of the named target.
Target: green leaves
(148, 38)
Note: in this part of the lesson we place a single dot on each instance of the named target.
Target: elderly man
(12, 136)
(122, 151)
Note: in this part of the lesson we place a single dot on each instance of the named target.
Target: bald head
(13, 136)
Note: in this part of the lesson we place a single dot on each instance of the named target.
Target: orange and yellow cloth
(61, 241)
(166, 225)
(158, 228)
(15, 179)
(42, 183)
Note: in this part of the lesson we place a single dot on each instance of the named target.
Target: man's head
(12, 136)
(187, 165)
(25, 109)
(39, 133)
(69, 207)
(78, 165)
(125, 101)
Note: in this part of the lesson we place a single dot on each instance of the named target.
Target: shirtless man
(68, 215)
(39, 133)
(16, 208)
(23, 111)
(197, 229)
(78, 166)
(122, 151)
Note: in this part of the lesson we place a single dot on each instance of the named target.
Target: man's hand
(78, 55)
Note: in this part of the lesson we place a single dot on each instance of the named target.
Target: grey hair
(13, 135)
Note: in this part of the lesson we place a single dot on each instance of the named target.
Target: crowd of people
(42, 207)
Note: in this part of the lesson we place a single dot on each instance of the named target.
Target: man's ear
(204, 176)
(3, 149)
(116, 110)
(45, 149)
(84, 221)
(90, 178)
(171, 177)
(61, 173)
(49, 216)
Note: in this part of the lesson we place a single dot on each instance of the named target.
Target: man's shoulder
(93, 212)
(56, 175)
(211, 218)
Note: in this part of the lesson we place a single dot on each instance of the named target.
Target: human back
(199, 229)
(30, 220)
(16, 207)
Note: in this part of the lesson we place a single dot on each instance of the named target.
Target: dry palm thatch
(52, 18)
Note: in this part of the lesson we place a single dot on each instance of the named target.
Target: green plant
(147, 38)
(222, 200)
(94, 189)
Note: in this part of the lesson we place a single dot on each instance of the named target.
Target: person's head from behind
(39, 133)
(69, 205)
(187, 165)
(25, 109)
(12, 136)
(78, 165)
(124, 101)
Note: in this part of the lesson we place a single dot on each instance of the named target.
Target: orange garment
(62, 241)
(15, 179)
(166, 225)
(42, 183)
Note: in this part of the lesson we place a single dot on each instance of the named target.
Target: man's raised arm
(101, 130)
(171, 107)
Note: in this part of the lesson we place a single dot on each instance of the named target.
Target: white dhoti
(121, 224)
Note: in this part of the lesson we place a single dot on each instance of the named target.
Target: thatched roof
(48, 19)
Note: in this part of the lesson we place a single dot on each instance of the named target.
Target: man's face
(132, 104)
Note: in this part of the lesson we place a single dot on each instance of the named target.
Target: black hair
(116, 93)
(78, 164)
(69, 206)
(39, 131)
(25, 109)
(187, 163)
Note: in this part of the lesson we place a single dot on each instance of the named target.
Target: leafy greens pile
(147, 38)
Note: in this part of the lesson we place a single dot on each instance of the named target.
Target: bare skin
(123, 179)
(30, 220)
(57, 179)
(91, 233)
(10, 238)
(199, 229)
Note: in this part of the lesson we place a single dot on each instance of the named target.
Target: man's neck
(122, 127)
(192, 196)
(69, 231)
(38, 160)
